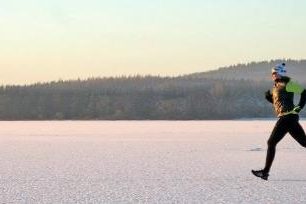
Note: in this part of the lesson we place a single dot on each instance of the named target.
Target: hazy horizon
(31, 82)
(44, 40)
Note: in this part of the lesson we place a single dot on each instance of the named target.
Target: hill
(256, 71)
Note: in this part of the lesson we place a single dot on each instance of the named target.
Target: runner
(282, 99)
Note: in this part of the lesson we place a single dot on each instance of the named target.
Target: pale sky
(44, 40)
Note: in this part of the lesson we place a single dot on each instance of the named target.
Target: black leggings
(285, 124)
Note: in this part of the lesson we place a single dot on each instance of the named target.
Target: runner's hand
(268, 93)
(297, 109)
(268, 96)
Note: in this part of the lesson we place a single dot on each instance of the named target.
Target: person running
(288, 114)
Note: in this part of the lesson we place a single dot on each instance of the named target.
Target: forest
(138, 98)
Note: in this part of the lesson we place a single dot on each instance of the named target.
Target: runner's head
(278, 71)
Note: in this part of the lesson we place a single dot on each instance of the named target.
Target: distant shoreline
(242, 119)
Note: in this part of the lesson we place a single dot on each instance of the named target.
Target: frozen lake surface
(146, 162)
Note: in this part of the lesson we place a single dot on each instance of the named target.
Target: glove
(268, 96)
(297, 109)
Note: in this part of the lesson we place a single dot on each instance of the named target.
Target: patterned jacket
(282, 96)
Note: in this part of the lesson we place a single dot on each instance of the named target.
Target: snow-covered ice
(146, 162)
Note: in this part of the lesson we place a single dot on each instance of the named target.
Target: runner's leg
(297, 132)
(277, 134)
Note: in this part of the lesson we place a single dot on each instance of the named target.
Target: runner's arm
(298, 89)
(302, 99)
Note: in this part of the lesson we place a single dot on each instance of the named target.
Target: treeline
(136, 98)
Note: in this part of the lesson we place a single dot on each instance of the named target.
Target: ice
(146, 162)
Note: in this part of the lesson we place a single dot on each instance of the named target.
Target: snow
(146, 162)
